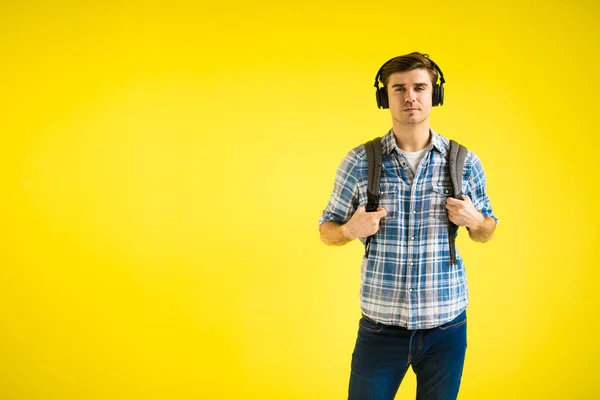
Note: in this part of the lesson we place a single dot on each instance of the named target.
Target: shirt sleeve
(477, 187)
(344, 198)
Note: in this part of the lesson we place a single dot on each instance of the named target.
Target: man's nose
(410, 95)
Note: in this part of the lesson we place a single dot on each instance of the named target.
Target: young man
(413, 297)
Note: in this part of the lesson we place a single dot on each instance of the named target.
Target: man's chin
(411, 121)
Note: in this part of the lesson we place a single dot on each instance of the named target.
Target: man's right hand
(363, 223)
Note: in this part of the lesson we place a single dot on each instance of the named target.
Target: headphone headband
(435, 66)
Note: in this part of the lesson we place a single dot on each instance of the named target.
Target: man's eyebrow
(416, 84)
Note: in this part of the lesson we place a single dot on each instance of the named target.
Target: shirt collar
(389, 143)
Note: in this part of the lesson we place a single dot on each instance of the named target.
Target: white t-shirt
(414, 158)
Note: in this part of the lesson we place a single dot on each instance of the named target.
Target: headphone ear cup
(382, 98)
(435, 98)
(441, 95)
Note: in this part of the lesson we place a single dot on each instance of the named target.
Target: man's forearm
(334, 234)
(484, 231)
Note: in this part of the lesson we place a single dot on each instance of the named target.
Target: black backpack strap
(456, 162)
(374, 156)
(374, 152)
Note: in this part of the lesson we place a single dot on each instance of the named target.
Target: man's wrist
(477, 225)
(347, 232)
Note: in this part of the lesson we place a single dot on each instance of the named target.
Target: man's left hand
(463, 212)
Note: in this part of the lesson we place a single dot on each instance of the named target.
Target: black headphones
(438, 89)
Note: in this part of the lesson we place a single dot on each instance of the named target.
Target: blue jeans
(383, 353)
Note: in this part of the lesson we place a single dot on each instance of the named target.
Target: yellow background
(164, 165)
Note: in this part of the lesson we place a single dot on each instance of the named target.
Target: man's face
(410, 95)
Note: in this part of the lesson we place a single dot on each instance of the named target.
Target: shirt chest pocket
(439, 194)
(389, 199)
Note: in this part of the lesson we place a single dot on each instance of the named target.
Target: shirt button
(412, 238)
(410, 290)
(414, 211)
(410, 264)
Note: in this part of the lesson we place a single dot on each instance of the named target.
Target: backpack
(456, 161)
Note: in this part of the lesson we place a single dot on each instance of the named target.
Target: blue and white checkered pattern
(408, 279)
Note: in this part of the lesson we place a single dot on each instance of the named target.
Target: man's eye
(421, 88)
(399, 89)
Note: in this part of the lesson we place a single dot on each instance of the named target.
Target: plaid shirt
(408, 279)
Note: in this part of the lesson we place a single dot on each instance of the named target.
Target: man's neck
(411, 137)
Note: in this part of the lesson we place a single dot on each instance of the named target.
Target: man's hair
(408, 62)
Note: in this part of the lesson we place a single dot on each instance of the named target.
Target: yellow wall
(163, 168)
